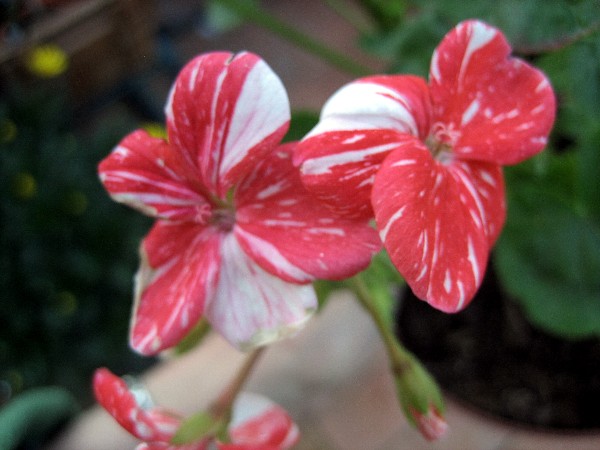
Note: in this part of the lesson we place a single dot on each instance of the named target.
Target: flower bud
(421, 399)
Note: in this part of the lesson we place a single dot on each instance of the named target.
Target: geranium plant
(244, 223)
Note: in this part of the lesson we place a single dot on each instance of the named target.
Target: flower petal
(147, 174)
(359, 126)
(259, 424)
(146, 424)
(179, 270)
(252, 307)
(293, 236)
(224, 112)
(434, 223)
(204, 445)
(490, 107)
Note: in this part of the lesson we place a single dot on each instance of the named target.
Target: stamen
(441, 140)
(223, 218)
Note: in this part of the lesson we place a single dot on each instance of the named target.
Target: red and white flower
(425, 158)
(238, 238)
(256, 423)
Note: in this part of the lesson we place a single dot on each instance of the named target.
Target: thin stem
(223, 405)
(262, 18)
(349, 14)
(400, 358)
(558, 44)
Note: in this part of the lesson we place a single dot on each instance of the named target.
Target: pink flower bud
(431, 424)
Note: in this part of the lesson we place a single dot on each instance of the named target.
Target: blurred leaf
(324, 289)
(409, 45)
(197, 427)
(548, 257)
(589, 166)
(387, 14)
(193, 338)
(301, 123)
(34, 414)
(221, 19)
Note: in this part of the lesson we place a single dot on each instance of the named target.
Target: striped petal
(359, 126)
(259, 424)
(293, 236)
(145, 423)
(224, 112)
(145, 173)
(204, 445)
(488, 106)
(438, 221)
(178, 272)
(252, 307)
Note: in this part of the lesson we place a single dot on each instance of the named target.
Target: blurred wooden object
(105, 40)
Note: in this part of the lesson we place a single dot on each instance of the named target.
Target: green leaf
(220, 18)
(34, 415)
(408, 46)
(194, 337)
(589, 165)
(301, 123)
(386, 13)
(324, 288)
(549, 261)
(197, 427)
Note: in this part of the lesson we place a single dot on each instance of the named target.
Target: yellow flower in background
(156, 130)
(8, 131)
(47, 61)
(24, 185)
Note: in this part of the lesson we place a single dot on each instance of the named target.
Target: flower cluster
(425, 158)
(256, 422)
(244, 223)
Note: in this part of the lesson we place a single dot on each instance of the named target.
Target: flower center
(441, 140)
(223, 218)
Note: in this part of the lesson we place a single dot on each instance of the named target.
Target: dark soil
(489, 356)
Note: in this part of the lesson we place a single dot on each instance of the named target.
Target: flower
(256, 423)
(425, 159)
(47, 61)
(237, 238)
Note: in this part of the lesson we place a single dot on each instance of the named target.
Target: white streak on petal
(354, 139)
(366, 105)
(397, 215)
(261, 108)
(323, 164)
(473, 261)
(272, 254)
(404, 162)
(252, 307)
(461, 297)
(481, 34)
(470, 112)
(271, 190)
(422, 273)
(447, 281)
(435, 68)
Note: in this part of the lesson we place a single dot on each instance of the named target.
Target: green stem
(559, 44)
(222, 407)
(253, 13)
(349, 14)
(400, 358)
